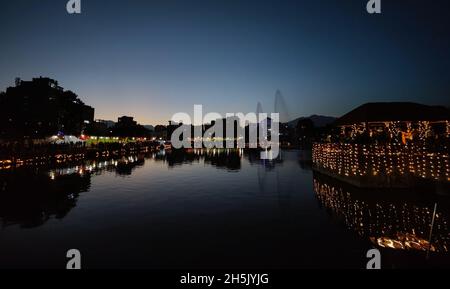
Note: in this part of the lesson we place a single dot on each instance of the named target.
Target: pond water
(212, 209)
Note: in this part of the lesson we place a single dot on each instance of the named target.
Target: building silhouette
(127, 127)
(107, 123)
(40, 108)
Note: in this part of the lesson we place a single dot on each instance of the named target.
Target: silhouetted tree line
(40, 108)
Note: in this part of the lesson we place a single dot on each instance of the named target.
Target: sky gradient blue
(150, 59)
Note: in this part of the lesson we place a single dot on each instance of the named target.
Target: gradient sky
(150, 59)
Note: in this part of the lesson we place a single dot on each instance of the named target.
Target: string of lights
(396, 225)
(361, 160)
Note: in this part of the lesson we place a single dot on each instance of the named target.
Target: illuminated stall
(388, 145)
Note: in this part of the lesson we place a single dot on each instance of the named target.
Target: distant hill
(318, 120)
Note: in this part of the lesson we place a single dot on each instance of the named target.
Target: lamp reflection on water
(389, 219)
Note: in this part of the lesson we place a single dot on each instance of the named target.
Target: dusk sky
(150, 59)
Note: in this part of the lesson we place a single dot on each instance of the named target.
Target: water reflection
(398, 220)
(229, 159)
(30, 196)
(121, 166)
(196, 199)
